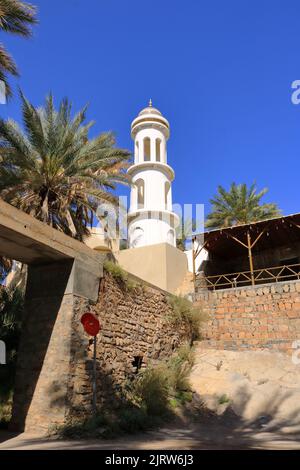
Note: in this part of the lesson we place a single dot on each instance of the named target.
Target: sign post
(95, 378)
(92, 327)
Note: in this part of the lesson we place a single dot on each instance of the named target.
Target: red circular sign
(90, 324)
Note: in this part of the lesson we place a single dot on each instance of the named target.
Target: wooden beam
(198, 251)
(195, 254)
(260, 235)
(237, 240)
(293, 223)
(250, 257)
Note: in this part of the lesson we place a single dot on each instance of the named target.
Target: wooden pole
(250, 257)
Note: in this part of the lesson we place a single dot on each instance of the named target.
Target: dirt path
(252, 401)
(212, 432)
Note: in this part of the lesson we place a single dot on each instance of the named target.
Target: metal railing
(244, 278)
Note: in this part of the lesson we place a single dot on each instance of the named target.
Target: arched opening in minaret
(147, 147)
(167, 193)
(137, 236)
(157, 149)
(140, 193)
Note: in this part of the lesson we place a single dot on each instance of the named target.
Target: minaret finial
(150, 103)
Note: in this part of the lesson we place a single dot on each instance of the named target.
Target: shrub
(151, 389)
(185, 354)
(120, 275)
(159, 388)
(116, 271)
(133, 419)
(184, 312)
(178, 373)
(130, 419)
(94, 426)
(150, 399)
(179, 367)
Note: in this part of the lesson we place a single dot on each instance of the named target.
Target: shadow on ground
(196, 428)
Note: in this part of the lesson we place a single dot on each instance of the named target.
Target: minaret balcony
(153, 214)
(150, 165)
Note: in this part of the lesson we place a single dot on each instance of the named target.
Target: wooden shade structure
(257, 236)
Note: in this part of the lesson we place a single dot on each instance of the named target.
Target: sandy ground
(251, 401)
(261, 387)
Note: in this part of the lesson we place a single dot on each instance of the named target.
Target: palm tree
(15, 17)
(239, 205)
(11, 316)
(53, 171)
(184, 231)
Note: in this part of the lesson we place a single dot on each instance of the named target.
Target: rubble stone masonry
(254, 317)
(136, 329)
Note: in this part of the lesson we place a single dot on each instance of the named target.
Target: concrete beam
(30, 241)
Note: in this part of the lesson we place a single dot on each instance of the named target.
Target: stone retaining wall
(55, 358)
(254, 317)
(135, 326)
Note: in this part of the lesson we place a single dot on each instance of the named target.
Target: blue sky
(221, 72)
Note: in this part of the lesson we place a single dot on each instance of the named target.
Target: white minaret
(150, 216)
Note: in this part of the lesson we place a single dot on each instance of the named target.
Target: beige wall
(161, 265)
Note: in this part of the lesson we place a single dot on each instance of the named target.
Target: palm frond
(53, 171)
(239, 205)
(17, 17)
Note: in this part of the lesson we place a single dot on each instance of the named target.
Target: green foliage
(179, 367)
(183, 397)
(133, 419)
(116, 271)
(129, 419)
(159, 388)
(131, 285)
(120, 275)
(54, 171)
(184, 312)
(239, 205)
(5, 408)
(184, 354)
(149, 400)
(82, 428)
(184, 231)
(11, 314)
(223, 399)
(5, 267)
(151, 389)
(16, 17)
